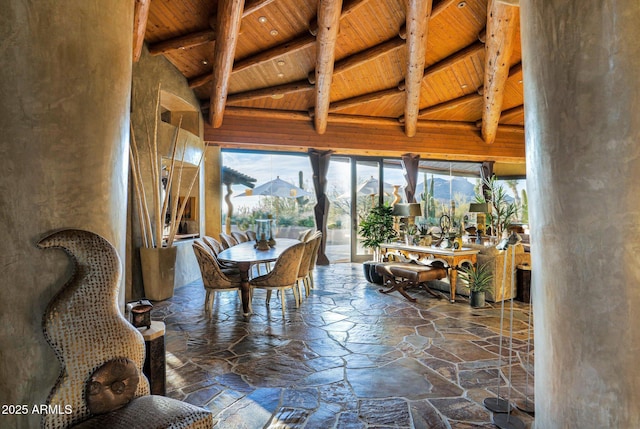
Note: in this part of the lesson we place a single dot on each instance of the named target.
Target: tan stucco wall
(65, 79)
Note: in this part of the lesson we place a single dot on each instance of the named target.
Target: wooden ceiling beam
(305, 41)
(198, 38)
(418, 12)
(182, 42)
(501, 26)
(279, 90)
(449, 105)
(513, 113)
(229, 17)
(363, 136)
(251, 6)
(302, 42)
(367, 55)
(140, 17)
(328, 25)
(348, 7)
(336, 106)
(452, 59)
(437, 10)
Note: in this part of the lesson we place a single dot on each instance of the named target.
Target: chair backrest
(316, 247)
(305, 234)
(240, 237)
(285, 270)
(85, 313)
(212, 275)
(227, 240)
(251, 235)
(305, 261)
(214, 244)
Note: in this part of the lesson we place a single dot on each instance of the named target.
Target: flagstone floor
(349, 357)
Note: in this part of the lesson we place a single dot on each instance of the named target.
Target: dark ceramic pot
(476, 299)
(370, 274)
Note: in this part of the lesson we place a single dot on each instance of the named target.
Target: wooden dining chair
(240, 237)
(214, 244)
(303, 272)
(228, 240)
(251, 235)
(317, 239)
(216, 247)
(214, 278)
(283, 276)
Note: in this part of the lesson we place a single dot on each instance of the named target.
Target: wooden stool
(413, 275)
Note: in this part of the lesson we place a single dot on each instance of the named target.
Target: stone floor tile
(349, 358)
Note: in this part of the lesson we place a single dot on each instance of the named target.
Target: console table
(453, 259)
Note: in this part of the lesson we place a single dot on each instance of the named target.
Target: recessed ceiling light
(464, 85)
(277, 96)
(281, 63)
(262, 19)
(205, 62)
(520, 81)
(462, 4)
(273, 32)
(280, 75)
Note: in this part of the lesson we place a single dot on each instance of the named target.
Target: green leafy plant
(377, 228)
(502, 212)
(476, 278)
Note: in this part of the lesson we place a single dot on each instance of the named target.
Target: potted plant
(478, 279)
(376, 228)
(501, 210)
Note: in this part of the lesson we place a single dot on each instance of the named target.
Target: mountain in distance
(443, 190)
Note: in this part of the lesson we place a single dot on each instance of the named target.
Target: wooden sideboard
(453, 259)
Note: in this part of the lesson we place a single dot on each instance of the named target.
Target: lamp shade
(400, 210)
(478, 208)
(414, 209)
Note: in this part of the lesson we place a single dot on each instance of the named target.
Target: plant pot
(476, 299)
(370, 273)
(158, 271)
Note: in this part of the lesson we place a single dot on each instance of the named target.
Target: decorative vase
(158, 271)
(476, 299)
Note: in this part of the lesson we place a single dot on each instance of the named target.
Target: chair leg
(307, 284)
(296, 295)
(268, 296)
(208, 300)
(282, 301)
(311, 278)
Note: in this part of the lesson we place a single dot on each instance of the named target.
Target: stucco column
(65, 78)
(581, 61)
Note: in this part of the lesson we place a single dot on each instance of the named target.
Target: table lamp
(481, 209)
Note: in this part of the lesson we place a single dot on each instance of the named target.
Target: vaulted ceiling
(438, 77)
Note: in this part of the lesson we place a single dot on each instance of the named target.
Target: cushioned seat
(401, 275)
(151, 411)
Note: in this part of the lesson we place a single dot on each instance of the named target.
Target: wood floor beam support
(328, 26)
(229, 17)
(500, 38)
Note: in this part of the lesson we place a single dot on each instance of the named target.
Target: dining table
(246, 255)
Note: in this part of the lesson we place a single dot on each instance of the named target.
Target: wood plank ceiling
(409, 65)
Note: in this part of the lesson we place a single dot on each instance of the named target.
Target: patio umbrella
(371, 187)
(277, 188)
